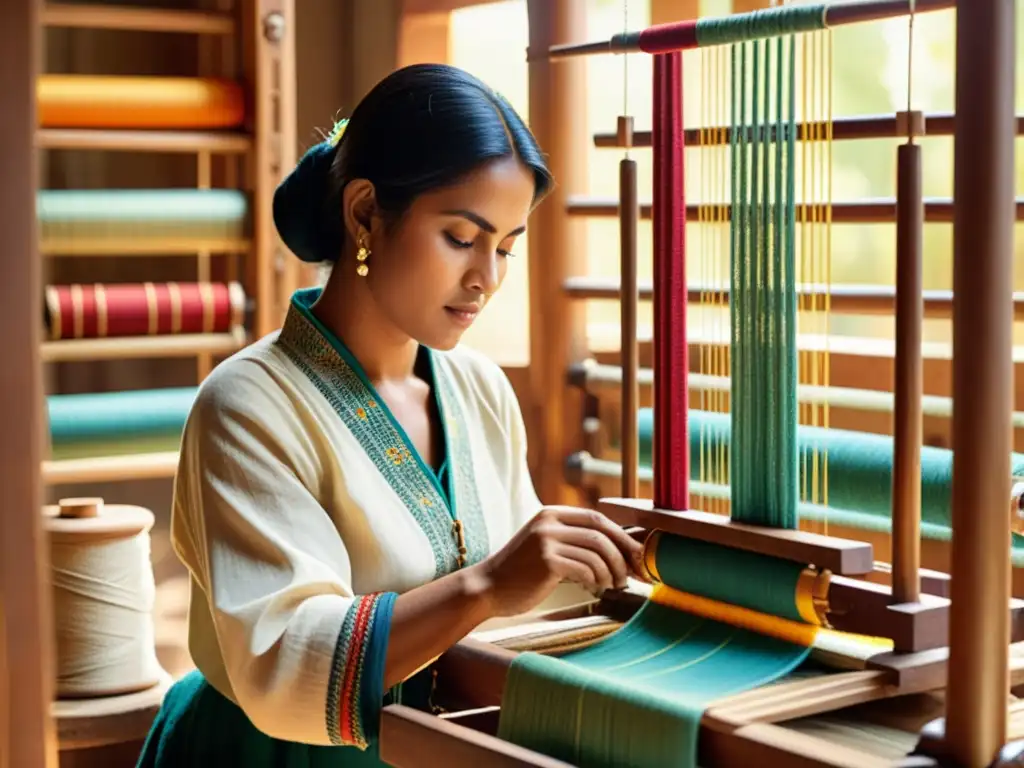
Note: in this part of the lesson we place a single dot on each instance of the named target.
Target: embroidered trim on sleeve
(355, 689)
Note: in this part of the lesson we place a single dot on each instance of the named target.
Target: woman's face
(434, 271)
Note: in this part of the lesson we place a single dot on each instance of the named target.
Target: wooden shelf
(191, 142)
(139, 19)
(111, 469)
(135, 347)
(184, 246)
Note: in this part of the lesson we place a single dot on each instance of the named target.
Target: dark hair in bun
(421, 128)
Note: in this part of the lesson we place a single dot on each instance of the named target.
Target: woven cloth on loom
(117, 423)
(636, 698)
(118, 101)
(141, 214)
(142, 309)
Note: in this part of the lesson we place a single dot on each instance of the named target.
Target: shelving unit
(246, 57)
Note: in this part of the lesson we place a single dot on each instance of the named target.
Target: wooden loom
(948, 634)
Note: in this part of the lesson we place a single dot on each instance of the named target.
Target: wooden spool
(108, 728)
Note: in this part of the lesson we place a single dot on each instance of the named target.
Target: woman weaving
(353, 495)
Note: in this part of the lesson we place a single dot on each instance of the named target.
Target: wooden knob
(79, 508)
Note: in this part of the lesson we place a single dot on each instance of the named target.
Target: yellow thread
(77, 313)
(151, 308)
(100, 294)
(734, 615)
(174, 293)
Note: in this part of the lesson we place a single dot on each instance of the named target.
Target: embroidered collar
(333, 370)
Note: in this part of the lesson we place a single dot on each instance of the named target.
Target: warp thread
(103, 594)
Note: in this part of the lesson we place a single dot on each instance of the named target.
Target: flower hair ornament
(337, 132)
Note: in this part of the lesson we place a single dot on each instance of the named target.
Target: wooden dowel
(836, 15)
(98, 16)
(110, 469)
(842, 129)
(843, 299)
(908, 430)
(881, 211)
(142, 141)
(629, 216)
(983, 254)
(595, 378)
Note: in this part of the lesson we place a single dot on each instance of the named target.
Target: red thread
(671, 353)
(665, 38)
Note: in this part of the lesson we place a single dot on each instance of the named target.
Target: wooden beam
(424, 38)
(438, 6)
(983, 254)
(373, 53)
(557, 245)
(667, 11)
(26, 663)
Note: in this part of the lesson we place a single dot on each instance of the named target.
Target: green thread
(768, 22)
(763, 472)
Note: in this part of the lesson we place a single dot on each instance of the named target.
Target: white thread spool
(103, 593)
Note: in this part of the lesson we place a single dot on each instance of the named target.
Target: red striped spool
(143, 309)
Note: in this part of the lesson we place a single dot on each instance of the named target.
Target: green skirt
(197, 726)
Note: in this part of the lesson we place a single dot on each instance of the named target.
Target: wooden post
(908, 432)
(26, 623)
(556, 241)
(983, 250)
(629, 218)
(268, 41)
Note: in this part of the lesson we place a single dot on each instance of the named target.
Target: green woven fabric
(114, 213)
(747, 579)
(83, 424)
(636, 698)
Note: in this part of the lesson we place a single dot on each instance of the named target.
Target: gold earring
(361, 256)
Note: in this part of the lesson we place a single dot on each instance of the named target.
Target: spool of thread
(103, 594)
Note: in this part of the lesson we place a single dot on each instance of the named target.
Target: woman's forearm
(428, 620)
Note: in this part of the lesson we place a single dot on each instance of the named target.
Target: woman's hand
(558, 544)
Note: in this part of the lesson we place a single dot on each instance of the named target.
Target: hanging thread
(103, 595)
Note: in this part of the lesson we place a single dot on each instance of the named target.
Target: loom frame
(741, 729)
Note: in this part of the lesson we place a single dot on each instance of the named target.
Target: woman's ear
(359, 205)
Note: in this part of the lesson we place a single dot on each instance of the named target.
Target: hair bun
(303, 212)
